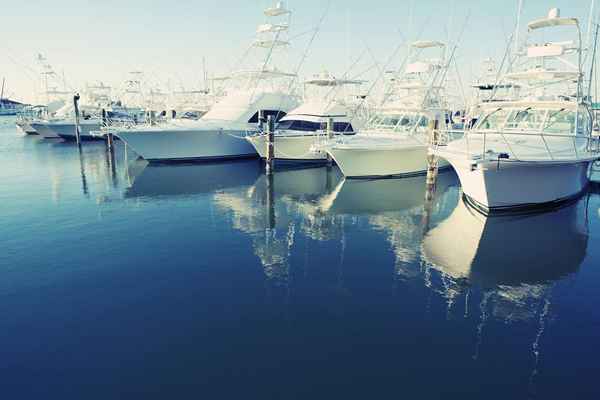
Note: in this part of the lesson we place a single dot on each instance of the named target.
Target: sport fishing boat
(221, 132)
(62, 124)
(536, 150)
(395, 141)
(301, 128)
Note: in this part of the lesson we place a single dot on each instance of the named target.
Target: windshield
(547, 120)
(400, 122)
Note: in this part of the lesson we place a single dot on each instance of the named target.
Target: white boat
(221, 132)
(307, 125)
(62, 124)
(535, 151)
(395, 141)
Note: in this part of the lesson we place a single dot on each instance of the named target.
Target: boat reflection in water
(314, 233)
(271, 212)
(319, 204)
(515, 261)
(508, 250)
(158, 180)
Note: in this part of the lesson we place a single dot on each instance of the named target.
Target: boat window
(300, 125)
(560, 121)
(583, 122)
(342, 127)
(276, 114)
(527, 118)
(493, 120)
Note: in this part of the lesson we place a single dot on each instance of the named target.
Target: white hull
(66, 130)
(289, 148)
(381, 162)
(496, 185)
(26, 128)
(187, 145)
(44, 130)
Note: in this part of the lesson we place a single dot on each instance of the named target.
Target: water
(121, 280)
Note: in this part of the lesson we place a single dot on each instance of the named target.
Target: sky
(94, 40)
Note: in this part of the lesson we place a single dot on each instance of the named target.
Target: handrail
(589, 147)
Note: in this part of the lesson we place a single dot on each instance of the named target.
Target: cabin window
(276, 114)
(560, 121)
(526, 119)
(342, 127)
(583, 122)
(493, 120)
(299, 125)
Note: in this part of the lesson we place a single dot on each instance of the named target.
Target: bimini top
(425, 44)
(553, 19)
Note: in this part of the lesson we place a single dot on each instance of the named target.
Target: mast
(2, 93)
(519, 12)
(593, 63)
(204, 74)
(590, 23)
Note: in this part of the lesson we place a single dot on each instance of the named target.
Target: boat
(221, 132)
(301, 128)
(396, 139)
(9, 107)
(535, 151)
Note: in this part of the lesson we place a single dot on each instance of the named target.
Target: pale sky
(94, 40)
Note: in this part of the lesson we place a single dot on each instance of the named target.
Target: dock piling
(77, 127)
(432, 170)
(432, 159)
(330, 130)
(270, 144)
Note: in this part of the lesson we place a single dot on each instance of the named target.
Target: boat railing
(583, 146)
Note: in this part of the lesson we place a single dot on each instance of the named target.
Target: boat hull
(44, 130)
(26, 128)
(290, 148)
(365, 163)
(188, 145)
(510, 185)
(67, 131)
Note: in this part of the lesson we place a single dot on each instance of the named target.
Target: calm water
(121, 280)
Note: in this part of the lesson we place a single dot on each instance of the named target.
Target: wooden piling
(77, 126)
(432, 159)
(261, 121)
(270, 161)
(330, 132)
(110, 141)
